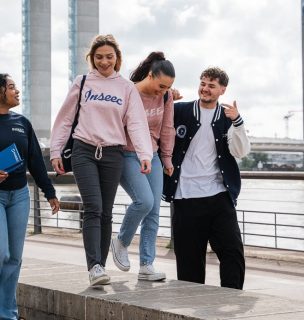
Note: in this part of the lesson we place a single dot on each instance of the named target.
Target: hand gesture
(231, 112)
(176, 94)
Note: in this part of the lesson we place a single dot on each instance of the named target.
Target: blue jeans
(145, 192)
(14, 212)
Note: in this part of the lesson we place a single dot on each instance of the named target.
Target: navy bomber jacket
(15, 128)
(230, 139)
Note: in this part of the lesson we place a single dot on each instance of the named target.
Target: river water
(257, 203)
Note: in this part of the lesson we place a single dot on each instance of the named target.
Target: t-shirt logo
(21, 130)
(155, 112)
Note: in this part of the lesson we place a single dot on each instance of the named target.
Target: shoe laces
(97, 269)
(150, 268)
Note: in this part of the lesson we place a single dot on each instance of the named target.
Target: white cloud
(10, 57)
(186, 14)
(120, 16)
(257, 42)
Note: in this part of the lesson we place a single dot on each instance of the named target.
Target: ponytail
(156, 63)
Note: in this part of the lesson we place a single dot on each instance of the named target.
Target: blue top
(15, 128)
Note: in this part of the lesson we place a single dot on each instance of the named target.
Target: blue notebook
(10, 159)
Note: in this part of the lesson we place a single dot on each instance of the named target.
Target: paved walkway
(59, 291)
(54, 285)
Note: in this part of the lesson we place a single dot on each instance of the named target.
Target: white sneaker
(98, 276)
(120, 255)
(147, 272)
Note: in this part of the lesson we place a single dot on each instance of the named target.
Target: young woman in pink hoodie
(109, 104)
(153, 78)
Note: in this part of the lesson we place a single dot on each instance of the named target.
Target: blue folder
(10, 159)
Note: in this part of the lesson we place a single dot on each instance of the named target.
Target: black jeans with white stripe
(199, 220)
(97, 181)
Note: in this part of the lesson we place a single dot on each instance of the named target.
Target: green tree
(251, 161)
(247, 163)
(259, 156)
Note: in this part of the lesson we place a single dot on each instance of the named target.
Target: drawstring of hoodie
(98, 152)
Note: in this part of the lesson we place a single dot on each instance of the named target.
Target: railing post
(244, 227)
(275, 230)
(80, 208)
(37, 213)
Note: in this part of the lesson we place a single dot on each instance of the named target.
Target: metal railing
(272, 232)
(280, 230)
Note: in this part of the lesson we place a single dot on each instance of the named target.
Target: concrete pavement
(275, 272)
(58, 291)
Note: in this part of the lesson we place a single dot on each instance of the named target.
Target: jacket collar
(197, 111)
(217, 113)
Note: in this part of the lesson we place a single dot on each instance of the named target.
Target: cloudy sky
(257, 42)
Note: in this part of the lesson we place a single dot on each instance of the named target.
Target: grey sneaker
(120, 255)
(147, 272)
(98, 276)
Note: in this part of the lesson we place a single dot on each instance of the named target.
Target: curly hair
(216, 73)
(3, 83)
(104, 40)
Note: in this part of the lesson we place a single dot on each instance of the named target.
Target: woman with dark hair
(109, 103)
(14, 193)
(153, 78)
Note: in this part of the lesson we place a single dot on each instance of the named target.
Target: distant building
(36, 64)
(284, 160)
(83, 27)
(36, 55)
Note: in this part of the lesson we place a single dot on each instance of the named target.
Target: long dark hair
(156, 63)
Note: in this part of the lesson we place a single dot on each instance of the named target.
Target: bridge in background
(276, 144)
(257, 144)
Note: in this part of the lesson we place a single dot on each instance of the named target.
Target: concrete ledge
(274, 254)
(49, 291)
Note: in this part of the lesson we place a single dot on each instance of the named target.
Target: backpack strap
(78, 103)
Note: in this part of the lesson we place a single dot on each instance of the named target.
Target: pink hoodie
(107, 105)
(160, 120)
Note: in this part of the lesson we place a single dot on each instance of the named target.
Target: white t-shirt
(200, 174)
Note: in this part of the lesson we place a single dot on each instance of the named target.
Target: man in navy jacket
(206, 183)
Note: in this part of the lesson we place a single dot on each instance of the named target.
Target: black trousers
(199, 220)
(97, 181)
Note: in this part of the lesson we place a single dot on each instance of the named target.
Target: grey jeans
(97, 181)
